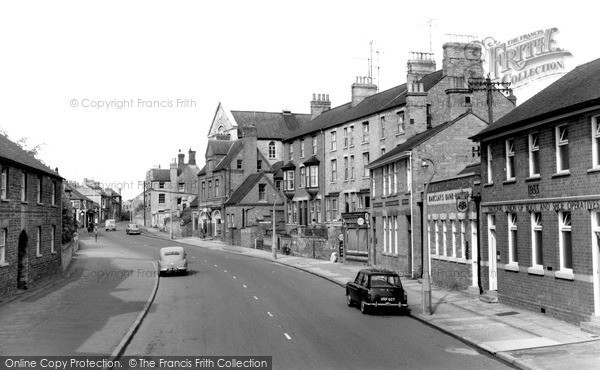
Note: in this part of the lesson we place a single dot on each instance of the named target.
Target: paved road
(232, 305)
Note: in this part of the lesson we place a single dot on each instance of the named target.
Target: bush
(69, 224)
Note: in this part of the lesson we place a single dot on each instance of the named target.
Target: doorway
(492, 252)
(22, 261)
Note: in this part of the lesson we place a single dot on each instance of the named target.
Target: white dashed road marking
(234, 277)
(287, 336)
(245, 286)
(270, 314)
(216, 266)
(224, 270)
(255, 297)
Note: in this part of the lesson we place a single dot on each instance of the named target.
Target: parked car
(374, 288)
(172, 260)
(133, 229)
(110, 224)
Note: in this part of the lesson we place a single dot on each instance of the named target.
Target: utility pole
(480, 84)
(426, 285)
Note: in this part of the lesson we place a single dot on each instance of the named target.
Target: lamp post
(274, 238)
(426, 285)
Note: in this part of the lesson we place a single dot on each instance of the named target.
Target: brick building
(541, 200)
(30, 219)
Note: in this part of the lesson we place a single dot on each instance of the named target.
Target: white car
(110, 224)
(172, 260)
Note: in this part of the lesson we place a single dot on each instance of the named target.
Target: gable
(223, 123)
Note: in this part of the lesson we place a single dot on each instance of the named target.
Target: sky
(110, 89)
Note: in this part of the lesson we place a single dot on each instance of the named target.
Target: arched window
(220, 129)
(271, 150)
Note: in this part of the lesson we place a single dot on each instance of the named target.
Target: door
(493, 263)
(22, 261)
(596, 261)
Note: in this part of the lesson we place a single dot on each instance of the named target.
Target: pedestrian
(96, 232)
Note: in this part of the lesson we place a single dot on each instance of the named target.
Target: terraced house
(30, 219)
(541, 200)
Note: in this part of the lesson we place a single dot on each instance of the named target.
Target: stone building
(541, 200)
(30, 219)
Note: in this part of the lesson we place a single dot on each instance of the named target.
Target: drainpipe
(412, 230)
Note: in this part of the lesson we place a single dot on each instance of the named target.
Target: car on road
(133, 229)
(172, 260)
(110, 224)
(376, 289)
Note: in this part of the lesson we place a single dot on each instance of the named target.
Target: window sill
(4, 200)
(536, 271)
(488, 184)
(388, 254)
(511, 267)
(564, 275)
(4, 264)
(400, 134)
(24, 202)
(533, 178)
(53, 252)
(594, 170)
(561, 174)
(509, 182)
(38, 255)
(364, 142)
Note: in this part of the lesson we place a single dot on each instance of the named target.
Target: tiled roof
(194, 203)
(416, 140)
(12, 152)
(234, 149)
(160, 175)
(78, 196)
(472, 168)
(202, 171)
(384, 100)
(270, 125)
(194, 168)
(577, 89)
(219, 147)
(244, 188)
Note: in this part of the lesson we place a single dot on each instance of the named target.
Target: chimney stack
(192, 157)
(418, 66)
(319, 104)
(362, 88)
(180, 158)
(462, 60)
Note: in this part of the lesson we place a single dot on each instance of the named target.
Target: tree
(69, 224)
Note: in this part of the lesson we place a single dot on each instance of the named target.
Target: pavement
(522, 338)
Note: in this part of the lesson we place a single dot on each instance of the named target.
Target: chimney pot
(314, 96)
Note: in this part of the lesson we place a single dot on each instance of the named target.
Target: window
(444, 238)
(291, 151)
(400, 122)
(385, 234)
(382, 127)
(3, 238)
(596, 141)
(513, 254)
(4, 183)
(595, 231)
(365, 137)
(313, 176)
(562, 148)
(351, 135)
(181, 187)
(345, 168)
(258, 165)
(210, 189)
(333, 170)
(536, 240)
(489, 164)
(437, 237)
(391, 233)
(463, 239)
(52, 236)
(23, 186)
(352, 167)
(262, 196)
(314, 145)
(38, 242)
(53, 196)
(373, 186)
(382, 151)
(239, 164)
(216, 188)
(333, 141)
(396, 234)
(365, 163)
(431, 246)
(334, 209)
(328, 209)
(384, 180)
(408, 177)
(302, 177)
(289, 180)
(203, 190)
(346, 140)
(393, 178)
(39, 189)
(454, 235)
(534, 155)
(289, 213)
(278, 184)
(510, 159)
(161, 185)
(295, 212)
(566, 248)
(161, 199)
(302, 149)
(272, 150)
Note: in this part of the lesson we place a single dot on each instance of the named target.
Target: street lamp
(426, 286)
(274, 239)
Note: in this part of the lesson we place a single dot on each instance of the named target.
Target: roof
(218, 147)
(415, 141)
(474, 168)
(244, 188)
(234, 149)
(270, 125)
(12, 152)
(77, 195)
(157, 174)
(577, 89)
(202, 171)
(194, 168)
(385, 100)
(377, 271)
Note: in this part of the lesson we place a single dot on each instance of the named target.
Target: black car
(377, 289)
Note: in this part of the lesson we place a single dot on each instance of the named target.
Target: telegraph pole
(480, 84)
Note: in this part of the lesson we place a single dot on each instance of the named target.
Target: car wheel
(363, 307)
(349, 300)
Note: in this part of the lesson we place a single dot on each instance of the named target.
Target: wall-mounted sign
(446, 197)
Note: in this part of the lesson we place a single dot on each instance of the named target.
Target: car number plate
(388, 299)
